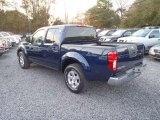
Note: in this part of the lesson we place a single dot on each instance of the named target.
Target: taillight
(112, 60)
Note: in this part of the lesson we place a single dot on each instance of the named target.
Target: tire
(1, 54)
(75, 79)
(23, 60)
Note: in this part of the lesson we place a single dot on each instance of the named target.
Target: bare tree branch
(122, 5)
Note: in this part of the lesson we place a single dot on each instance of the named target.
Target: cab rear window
(80, 33)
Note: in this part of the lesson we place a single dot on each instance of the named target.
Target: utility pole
(65, 12)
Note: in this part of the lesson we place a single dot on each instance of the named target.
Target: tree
(122, 5)
(38, 11)
(142, 12)
(101, 15)
(2, 4)
(2, 17)
(58, 21)
(13, 21)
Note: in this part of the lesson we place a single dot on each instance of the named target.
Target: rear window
(80, 33)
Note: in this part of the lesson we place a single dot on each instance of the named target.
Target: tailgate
(129, 56)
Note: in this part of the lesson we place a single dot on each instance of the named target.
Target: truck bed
(96, 55)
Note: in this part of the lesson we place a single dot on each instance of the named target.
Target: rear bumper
(127, 77)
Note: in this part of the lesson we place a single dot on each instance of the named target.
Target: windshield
(141, 33)
(103, 33)
(118, 32)
(80, 33)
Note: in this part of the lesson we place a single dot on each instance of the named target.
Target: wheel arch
(74, 57)
(21, 49)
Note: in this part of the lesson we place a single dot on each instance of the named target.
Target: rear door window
(52, 35)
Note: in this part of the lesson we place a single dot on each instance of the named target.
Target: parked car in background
(2, 48)
(4, 44)
(14, 39)
(151, 27)
(28, 34)
(106, 32)
(8, 43)
(11, 39)
(98, 30)
(118, 34)
(149, 37)
(155, 52)
(19, 36)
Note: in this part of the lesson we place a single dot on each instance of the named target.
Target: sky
(78, 6)
(73, 7)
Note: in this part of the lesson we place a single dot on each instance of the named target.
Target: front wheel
(23, 60)
(75, 78)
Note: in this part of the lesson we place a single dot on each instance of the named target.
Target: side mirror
(41, 42)
(28, 39)
(152, 36)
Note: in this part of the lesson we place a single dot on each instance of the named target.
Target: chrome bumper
(128, 76)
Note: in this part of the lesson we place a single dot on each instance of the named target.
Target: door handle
(55, 49)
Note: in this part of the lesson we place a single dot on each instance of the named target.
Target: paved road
(40, 94)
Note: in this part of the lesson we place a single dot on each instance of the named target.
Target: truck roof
(64, 25)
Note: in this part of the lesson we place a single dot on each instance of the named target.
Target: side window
(38, 37)
(154, 34)
(52, 35)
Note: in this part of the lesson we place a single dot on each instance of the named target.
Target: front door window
(38, 37)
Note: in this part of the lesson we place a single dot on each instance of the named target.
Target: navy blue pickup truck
(75, 51)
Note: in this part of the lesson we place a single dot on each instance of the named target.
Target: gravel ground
(40, 94)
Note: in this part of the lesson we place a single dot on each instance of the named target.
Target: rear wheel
(75, 78)
(23, 61)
